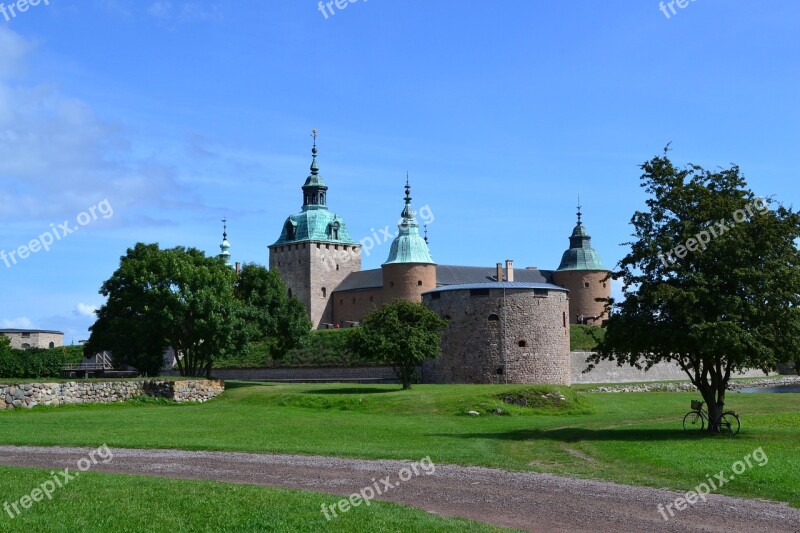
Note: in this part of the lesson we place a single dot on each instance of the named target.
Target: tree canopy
(268, 313)
(711, 282)
(402, 334)
(161, 298)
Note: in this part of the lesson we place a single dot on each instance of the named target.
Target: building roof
(362, 280)
(446, 275)
(409, 246)
(508, 285)
(31, 331)
(315, 222)
(580, 255)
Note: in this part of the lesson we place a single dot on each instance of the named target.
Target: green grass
(633, 438)
(581, 338)
(104, 502)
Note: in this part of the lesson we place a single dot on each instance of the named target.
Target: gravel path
(532, 502)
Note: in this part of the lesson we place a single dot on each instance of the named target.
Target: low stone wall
(74, 392)
(367, 374)
(609, 372)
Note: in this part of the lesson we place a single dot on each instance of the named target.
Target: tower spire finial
(580, 214)
(225, 228)
(314, 166)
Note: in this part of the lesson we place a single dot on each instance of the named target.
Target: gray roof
(508, 285)
(447, 275)
(359, 281)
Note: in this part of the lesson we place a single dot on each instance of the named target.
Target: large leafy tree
(402, 334)
(268, 313)
(176, 297)
(712, 281)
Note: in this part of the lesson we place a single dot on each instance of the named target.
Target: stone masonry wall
(535, 336)
(582, 298)
(30, 395)
(35, 340)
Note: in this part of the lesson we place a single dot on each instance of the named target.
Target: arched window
(419, 283)
(290, 230)
(324, 292)
(522, 344)
(289, 293)
(25, 346)
(493, 318)
(52, 344)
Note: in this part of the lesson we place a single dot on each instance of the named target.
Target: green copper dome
(409, 246)
(581, 255)
(315, 222)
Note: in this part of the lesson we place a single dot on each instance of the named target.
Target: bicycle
(728, 422)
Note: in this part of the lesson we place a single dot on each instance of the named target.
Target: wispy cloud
(17, 323)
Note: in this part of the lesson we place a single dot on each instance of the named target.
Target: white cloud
(86, 309)
(17, 323)
(57, 157)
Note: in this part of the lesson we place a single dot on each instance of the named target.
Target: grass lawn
(105, 502)
(633, 438)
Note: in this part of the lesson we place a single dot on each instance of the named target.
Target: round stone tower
(409, 271)
(501, 332)
(581, 272)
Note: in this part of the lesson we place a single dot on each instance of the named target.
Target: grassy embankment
(631, 438)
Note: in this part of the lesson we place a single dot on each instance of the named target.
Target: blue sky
(181, 113)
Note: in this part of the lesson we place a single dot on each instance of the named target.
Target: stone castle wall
(403, 281)
(582, 298)
(29, 395)
(312, 271)
(35, 340)
(353, 306)
(534, 334)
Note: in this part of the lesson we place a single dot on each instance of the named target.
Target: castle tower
(581, 272)
(409, 271)
(314, 252)
(225, 246)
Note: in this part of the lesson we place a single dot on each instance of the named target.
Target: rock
(473, 413)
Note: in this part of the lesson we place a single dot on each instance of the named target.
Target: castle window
(586, 285)
(436, 296)
(479, 292)
(52, 344)
(419, 283)
(522, 344)
(25, 346)
(494, 318)
(541, 292)
(447, 317)
(564, 318)
(324, 292)
(317, 245)
(341, 301)
(26, 335)
(290, 230)
(354, 300)
(337, 267)
(500, 371)
(289, 293)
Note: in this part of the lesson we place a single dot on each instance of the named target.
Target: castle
(506, 325)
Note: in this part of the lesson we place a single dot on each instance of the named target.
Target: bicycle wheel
(693, 421)
(728, 423)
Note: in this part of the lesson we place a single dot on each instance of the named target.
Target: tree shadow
(571, 435)
(351, 390)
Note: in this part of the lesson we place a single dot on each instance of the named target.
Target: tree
(712, 281)
(268, 313)
(159, 298)
(402, 334)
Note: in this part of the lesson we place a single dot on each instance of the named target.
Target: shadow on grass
(570, 435)
(352, 390)
(244, 384)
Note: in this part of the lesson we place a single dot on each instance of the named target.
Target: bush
(31, 363)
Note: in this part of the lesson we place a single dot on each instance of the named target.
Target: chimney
(238, 269)
(499, 271)
(509, 270)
